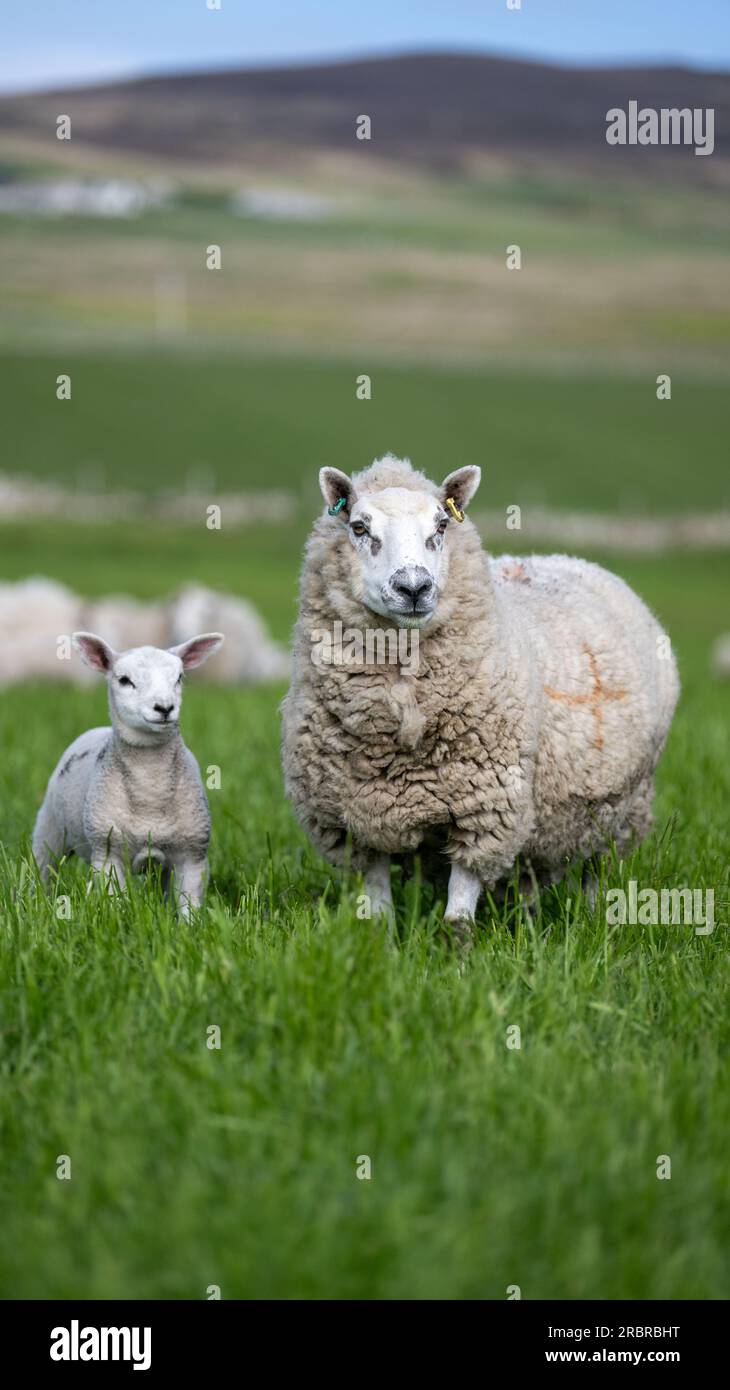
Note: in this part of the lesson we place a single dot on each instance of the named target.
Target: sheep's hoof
(458, 932)
(383, 912)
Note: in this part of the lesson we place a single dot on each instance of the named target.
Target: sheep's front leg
(109, 867)
(464, 890)
(377, 886)
(190, 880)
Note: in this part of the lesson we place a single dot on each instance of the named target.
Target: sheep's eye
(179, 678)
(358, 529)
(124, 680)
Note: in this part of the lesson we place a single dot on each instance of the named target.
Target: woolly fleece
(532, 726)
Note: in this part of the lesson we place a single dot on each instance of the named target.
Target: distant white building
(282, 204)
(82, 197)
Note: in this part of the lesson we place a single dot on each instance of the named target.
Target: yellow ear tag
(457, 515)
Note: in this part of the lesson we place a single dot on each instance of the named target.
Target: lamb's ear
(461, 485)
(197, 649)
(94, 651)
(336, 486)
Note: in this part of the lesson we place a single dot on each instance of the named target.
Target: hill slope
(432, 109)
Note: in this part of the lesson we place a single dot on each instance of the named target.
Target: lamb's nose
(164, 709)
(413, 584)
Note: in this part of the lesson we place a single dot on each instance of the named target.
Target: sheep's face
(145, 683)
(399, 538)
(145, 690)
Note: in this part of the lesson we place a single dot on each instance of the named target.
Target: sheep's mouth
(399, 611)
(416, 618)
(410, 617)
(407, 610)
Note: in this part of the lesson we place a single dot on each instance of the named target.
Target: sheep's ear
(336, 486)
(197, 649)
(461, 485)
(94, 651)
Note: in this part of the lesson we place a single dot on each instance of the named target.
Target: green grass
(599, 441)
(490, 1166)
(237, 1167)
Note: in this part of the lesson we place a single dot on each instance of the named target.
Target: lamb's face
(401, 560)
(145, 683)
(145, 690)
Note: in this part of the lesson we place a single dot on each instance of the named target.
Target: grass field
(157, 421)
(406, 266)
(237, 1167)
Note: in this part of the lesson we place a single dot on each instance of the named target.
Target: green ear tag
(332, 511)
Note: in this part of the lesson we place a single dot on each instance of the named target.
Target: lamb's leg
(377, 886)
(464, 890)
(109, 866)
(48, 841)
(190, 880)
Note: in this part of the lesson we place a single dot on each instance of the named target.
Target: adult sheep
(528, 723)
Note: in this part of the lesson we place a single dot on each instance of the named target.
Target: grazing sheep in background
(249, 654)
(128, 622)
(530, 724)
(35, 613)
(133, 792)
(721, 656)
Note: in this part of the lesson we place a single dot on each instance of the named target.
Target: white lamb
(123, 795)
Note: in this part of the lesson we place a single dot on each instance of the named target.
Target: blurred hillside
(441, 111)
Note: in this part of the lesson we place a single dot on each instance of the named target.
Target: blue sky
(46, 42)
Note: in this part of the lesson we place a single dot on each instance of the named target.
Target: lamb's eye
(124, 680)
(179, 678)
(442, 525)
(358, 529)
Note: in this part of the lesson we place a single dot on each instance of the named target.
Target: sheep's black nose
(163, 709)
(413, 584)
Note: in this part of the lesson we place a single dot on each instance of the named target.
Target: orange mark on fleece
(594, 698)
(516, 571)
